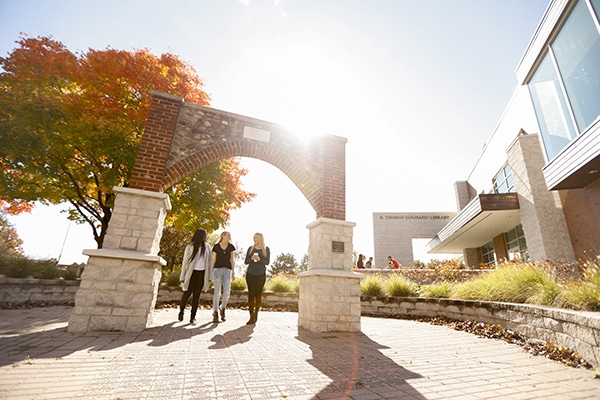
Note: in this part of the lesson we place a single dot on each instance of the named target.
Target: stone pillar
(471, 257)
(329, 291)
(120, 282)
(542, 217)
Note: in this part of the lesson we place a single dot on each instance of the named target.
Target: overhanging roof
(485, 217)
(578, 164)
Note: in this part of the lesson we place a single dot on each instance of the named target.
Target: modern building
(534, 192)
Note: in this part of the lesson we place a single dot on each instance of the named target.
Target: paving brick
(274, 359)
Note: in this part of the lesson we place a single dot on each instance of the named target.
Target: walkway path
(390, 359)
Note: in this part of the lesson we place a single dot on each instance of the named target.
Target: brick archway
(181, 138)
(120, 281)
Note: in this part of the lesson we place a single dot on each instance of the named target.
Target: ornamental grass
(514, 283)
(371, 285)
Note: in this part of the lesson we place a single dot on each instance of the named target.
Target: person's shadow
(356, 366)
(233, 337)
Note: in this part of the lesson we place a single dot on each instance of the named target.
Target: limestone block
(152, 274)
(129, 243)
(583, 333)
(137, 324)
(118, 221)
(132, 311)
(108, 323)
(101, 285)
(134, 222)
(123, 273)
(114, 298)
(78, 323)
(84, 298)
(148, 224)
(142, 300)
(92, 310)
(481, 312)
(150, 246)
(111, 242)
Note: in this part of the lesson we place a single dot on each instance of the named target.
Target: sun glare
(310, 85)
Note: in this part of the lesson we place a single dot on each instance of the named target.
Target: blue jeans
(221, 277)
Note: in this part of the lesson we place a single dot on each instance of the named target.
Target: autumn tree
(71, 124)
(10, 243)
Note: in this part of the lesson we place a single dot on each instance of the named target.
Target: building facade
(534, 192)
(396, 231)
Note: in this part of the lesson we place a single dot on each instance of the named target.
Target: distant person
(369, 263)
(359, 263)
(393, 264)
(257, 258)
(196, 272)
(223, 253)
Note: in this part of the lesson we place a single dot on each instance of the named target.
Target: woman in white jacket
(196, 272)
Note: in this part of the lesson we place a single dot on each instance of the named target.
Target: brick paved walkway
(390, 359)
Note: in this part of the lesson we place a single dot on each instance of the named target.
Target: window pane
(509, 184)
(550, 108)
(577, 52)
(596, 5)
(519, 229)
(510, 237)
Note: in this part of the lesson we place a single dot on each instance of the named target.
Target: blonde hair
(260, 241)
(221, 237)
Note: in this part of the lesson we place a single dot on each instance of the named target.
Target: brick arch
(289, 166)
(181, 138)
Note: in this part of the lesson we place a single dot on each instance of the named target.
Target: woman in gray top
(257, 258)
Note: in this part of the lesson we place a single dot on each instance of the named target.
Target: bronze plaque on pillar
(337, 247)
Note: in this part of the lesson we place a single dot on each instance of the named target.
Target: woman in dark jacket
(257, 258)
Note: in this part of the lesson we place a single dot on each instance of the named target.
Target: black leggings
(195, 287)
(255, 283)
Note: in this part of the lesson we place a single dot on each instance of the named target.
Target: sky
(416, 86)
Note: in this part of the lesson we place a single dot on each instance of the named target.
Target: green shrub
(70, 275)
(173, 278)
(280, 284)
(439, 290)
(296, 286)
(371, 285)
(19, 267)
(48, 271)
(239, 283)
(398, 286)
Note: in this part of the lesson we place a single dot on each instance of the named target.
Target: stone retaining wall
(576, 330)
(14, 291)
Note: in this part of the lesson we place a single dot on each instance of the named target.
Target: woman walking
(257, 258)
(223, 272)
(196, 272)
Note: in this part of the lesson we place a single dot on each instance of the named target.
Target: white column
(120, 282)
(329, 291)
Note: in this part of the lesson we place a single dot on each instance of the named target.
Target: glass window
(596, 6)
(503, 182)
(516, 244)
(551, 108)
(565, 88)
(577, 52)
(488, 255)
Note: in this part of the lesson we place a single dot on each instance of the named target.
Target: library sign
(414, 216)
